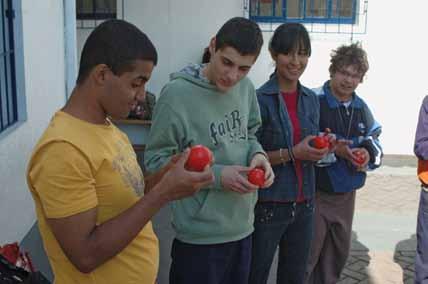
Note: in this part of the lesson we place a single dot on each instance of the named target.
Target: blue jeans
(227, 263)
(289, 226)
(421, 261)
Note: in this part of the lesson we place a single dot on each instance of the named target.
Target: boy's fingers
(183, 157)
(243, 169)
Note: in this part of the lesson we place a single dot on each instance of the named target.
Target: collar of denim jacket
(271, 87)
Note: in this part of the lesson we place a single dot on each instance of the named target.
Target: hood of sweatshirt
(193, 74)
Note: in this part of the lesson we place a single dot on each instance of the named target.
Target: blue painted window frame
(8, 103)
(304, 18)
(13, 110)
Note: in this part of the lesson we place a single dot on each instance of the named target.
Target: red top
(291, 103)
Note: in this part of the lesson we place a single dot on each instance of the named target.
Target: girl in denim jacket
(290, 119)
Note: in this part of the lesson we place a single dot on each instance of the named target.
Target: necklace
(348, 131)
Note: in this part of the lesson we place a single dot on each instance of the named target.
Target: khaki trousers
(332, 236)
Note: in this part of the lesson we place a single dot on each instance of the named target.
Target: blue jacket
(421, 137)
(277, 132)
(355, 123)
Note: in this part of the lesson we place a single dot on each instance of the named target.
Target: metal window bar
(96, 13)
(308, 17)
(339, 24)
(8, 99)
(93, 19)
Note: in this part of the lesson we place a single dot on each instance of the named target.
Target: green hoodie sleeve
(164, 141)
(164, 138)
(217, 169)
(254, 122)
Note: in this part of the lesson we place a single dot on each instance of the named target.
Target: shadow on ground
(404, 255)
(356, 268)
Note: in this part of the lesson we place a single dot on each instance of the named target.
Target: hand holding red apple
(199, 157)
(257, 177)
(177, 182)
(260, 161)
(359, 157)
(321, 141)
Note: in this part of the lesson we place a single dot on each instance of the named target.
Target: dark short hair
(206, 56)
(346, 55)
(118, 44)
(242, 34)
(288, 37)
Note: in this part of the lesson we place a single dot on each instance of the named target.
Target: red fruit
(10, 252)
(257, 177)
(199, 157)
(320, 142)
(359, 157)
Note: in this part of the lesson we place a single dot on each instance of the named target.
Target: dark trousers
(227, 263)
(288, 226)
(421, 261)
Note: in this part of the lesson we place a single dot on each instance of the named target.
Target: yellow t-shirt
(77, 166)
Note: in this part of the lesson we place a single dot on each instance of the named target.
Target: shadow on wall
(165, 233)
(404, 255)
(32, 243)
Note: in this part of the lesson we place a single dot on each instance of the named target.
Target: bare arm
(89, 245)
(152, 179)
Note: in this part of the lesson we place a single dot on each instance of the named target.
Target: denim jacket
(277, 132)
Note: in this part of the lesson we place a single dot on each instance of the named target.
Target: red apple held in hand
(257, 177)
(320, 142)
(359, 157)
(199, 157)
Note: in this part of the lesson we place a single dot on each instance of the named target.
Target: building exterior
(42, 39)
(390, 31)
(37, 65)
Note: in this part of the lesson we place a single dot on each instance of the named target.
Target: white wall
(395, 83)
(45, 92)
(191, 27)
(179, 29)
(397, 80)
(394, 39)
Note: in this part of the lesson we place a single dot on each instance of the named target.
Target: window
(95, 9)
(8, 91)
(304, 11)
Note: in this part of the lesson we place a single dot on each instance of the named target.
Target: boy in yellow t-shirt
(88, 188)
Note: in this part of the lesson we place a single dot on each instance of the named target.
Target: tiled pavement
(384, 242)
(383, 246)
